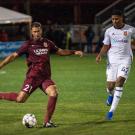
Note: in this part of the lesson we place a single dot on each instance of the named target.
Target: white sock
(117, 95)
(110, 92)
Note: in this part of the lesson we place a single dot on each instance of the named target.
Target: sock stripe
(119, 90)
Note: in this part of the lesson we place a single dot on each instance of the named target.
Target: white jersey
(120, 44)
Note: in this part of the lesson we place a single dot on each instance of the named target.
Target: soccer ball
(29, 120)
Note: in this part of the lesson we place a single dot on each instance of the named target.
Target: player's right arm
(103, 51)
(22, 50)
(106, 46)
(8, 59)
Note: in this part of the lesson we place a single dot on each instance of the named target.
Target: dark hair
(117, 12)
(36, 24)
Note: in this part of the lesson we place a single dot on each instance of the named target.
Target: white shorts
(113, 71)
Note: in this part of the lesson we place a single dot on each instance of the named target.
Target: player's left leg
(50, 89)
(52, 99)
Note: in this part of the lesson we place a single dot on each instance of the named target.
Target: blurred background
(71, 24)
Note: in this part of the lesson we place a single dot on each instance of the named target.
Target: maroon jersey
(38, 58)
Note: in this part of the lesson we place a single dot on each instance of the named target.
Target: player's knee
(22, 97)
(110, 86)
(110, 89)
(53, 92)
(20, 100)
(120, 82)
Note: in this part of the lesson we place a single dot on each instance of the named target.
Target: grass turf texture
(81, 105)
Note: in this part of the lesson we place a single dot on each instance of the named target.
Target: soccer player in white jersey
(117, 45)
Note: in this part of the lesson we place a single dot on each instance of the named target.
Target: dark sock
(9, 96)
(50, 108)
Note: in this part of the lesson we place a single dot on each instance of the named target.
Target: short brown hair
(36, 24)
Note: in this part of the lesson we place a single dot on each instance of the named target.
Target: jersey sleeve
(23, 49)
(54, 48)
(106, 40)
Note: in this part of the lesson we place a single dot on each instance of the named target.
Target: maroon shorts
(30, 85)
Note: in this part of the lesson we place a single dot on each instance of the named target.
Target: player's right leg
(111, 73)
(11, 96)
(20, 97)
(28, 87)
(110, 91)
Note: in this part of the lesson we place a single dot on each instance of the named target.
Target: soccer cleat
(109, 100)
(109, 115)
(49, 125)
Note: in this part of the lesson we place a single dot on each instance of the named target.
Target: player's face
(117, 21)
(36, 33)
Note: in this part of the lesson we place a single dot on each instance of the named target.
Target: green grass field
(81, 105)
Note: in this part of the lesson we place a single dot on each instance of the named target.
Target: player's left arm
(133, 39)
(64, 52)
(133, 44)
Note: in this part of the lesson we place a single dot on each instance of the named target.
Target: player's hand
(0, 66)
(98, 59)
(80, 53)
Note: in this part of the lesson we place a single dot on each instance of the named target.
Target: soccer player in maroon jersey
(37, 51)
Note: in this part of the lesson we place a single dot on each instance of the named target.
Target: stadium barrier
(7, 48)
